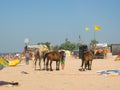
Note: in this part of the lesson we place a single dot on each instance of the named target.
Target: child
(63, 61)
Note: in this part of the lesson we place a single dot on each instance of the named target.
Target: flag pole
(94, 35)
(96, 28)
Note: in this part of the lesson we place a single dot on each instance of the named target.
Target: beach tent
(115, 48)
(101, 45)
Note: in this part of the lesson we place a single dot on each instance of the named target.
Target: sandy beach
(68, 79)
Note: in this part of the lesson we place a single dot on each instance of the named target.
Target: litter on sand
(23, 72)
(109, 72)
(8, 83)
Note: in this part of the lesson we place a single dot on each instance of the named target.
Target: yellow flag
(97, 28)
(86, 28)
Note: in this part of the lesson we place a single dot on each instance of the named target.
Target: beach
(68, 79)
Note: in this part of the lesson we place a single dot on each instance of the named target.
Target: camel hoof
(57, 69)
(37, 69)
(51, 69)
(81, 69)
(89, 69)
(43, 69)
(47, 69)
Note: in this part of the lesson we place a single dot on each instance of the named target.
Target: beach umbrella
(3, 63)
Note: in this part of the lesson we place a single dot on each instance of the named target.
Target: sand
(68, 79)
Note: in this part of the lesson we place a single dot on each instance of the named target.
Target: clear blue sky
(55, 20)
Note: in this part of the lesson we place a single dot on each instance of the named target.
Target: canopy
(101, 45)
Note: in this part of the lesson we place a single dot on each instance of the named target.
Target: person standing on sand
(27, 58)
(63, 61)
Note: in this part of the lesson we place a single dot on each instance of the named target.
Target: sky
(55, 20)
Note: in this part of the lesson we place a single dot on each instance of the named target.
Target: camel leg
(44, 64)
(57, 65)
(82, 64)
(47, 65)
(40, 63)
(51, 65)
(90, 64)
(35, 63)
(86, 64)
